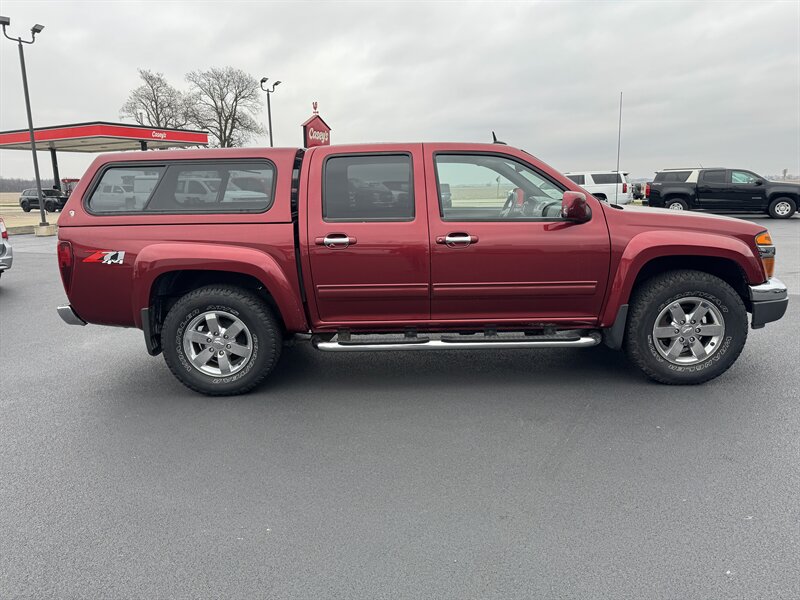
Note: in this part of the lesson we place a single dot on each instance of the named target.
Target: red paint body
(395, 276)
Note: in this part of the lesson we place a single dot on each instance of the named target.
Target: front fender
(157, 259)
(650, 245)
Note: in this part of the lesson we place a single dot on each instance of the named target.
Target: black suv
(53, 200)
(723, 190)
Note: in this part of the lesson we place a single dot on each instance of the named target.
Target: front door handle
(457, 240)
(335, 240)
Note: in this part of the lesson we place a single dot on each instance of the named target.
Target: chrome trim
(68, 315)
(773, 289)
(582, 342)
(331, 242)
(766, 251)
(457, 239)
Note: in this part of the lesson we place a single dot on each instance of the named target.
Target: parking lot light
(269, 108)
(5, 22)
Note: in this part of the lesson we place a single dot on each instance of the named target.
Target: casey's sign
(316, 131)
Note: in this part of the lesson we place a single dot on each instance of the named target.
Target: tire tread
(645, 295)
(263, 313)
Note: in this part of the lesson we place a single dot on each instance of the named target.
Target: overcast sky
(709, 83)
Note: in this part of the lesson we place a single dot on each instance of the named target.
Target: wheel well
(674, 196)
(169, 287)
(724, 268)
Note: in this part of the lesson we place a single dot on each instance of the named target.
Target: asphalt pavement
(511, 474)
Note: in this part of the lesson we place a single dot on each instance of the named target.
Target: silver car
(6, 253)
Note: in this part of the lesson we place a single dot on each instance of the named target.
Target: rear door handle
(335, 240)
(457, 240)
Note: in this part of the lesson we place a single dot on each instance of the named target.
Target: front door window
(743, 177)
(492, 188)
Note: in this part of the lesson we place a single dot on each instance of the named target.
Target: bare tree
(225, 102)
(156, 103)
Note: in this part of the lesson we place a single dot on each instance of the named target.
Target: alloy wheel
(688, 331)
(217, 343)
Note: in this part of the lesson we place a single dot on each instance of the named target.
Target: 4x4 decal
(106, 257)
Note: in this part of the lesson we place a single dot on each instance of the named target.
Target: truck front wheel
(221, 340)
(782, 208)
(685, 327)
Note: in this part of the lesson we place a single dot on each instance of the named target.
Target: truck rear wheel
(221, 340)
(676, 204)
(782, 208)
(685, 327)
(26, 206)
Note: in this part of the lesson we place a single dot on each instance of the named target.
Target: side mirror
(574, 208)
(759, 182)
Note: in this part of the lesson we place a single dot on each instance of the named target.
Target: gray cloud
(710, 83)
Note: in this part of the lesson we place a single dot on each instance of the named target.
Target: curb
(20, 229)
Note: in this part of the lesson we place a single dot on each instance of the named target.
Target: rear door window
(579, 179)
(606, 178)
(375, 187)
(714, 176)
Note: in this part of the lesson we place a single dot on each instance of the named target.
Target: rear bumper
(6, 256)
(769, 301)
(69, 316)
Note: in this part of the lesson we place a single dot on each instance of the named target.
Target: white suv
(611, 186)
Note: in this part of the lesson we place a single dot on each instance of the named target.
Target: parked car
(606, 185)
(6, 253)
(110, 195)
(723, 190)
(218, 287)
(54, 200)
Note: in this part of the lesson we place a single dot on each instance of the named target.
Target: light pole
(269, 108)
(34, 30)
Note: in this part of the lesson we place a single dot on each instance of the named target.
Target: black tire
(26, 206)
(50, 206)
(780, 203)
(267, 339)
(656, 294)
(673, 203)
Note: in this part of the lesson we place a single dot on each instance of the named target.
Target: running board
(586, 340)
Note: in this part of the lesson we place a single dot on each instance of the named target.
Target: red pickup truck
(222, 256)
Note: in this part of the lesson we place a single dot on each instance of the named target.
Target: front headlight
(766, 250)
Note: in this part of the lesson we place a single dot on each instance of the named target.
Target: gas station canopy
(100, 136)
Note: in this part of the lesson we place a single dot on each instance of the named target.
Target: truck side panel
(117, 257)
(113, 294)
(632, 248)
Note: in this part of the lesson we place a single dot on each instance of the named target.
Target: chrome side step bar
(550, 341)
